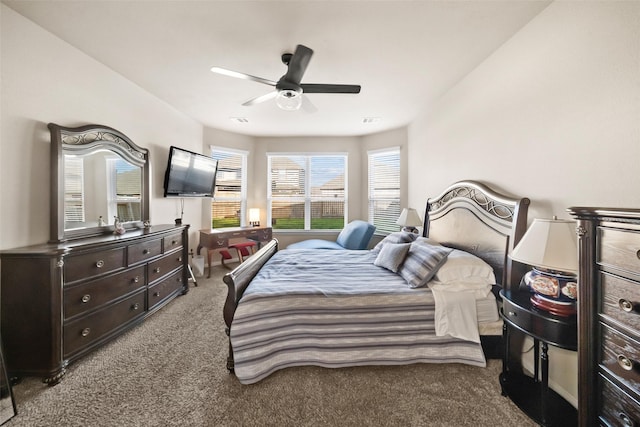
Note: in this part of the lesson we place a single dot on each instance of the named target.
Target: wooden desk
(218, 238)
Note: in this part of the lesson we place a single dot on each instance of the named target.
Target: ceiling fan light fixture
(289, 99)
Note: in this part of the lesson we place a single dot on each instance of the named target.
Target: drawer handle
(86, 298)
(86, 331)
(626, 305)
(513, 314)
(625, 363)
(179, 259)
(100, 263)
(136, 279)
(135, 306)
(173, 242)
(625, 419)
(156, 270)
(145, 252)
(638, 254)
(156, 294)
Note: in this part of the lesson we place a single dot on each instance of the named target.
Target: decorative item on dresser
(92, 281)
(609, 316)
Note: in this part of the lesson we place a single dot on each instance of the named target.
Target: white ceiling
(405, 54)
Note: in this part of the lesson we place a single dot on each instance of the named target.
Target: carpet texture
(171, 371)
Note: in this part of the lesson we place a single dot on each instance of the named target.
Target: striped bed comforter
(334, 309)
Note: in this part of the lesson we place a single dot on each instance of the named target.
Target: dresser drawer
(83, 332)
(172, 242)
(87, 296)
(620, 355)
(619, 249)
(143, 251)
(617, 408)
(164, 265)
(164, 288)
(93, 264)
(621, 300)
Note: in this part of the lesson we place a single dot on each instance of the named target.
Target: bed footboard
(238, 280)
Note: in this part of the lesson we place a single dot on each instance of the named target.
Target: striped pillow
(422, 263)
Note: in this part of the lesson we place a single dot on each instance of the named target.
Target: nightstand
(532, 394)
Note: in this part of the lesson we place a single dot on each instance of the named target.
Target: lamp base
(554, 307)
(413, 230)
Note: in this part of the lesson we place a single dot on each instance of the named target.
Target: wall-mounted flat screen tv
(189, 174)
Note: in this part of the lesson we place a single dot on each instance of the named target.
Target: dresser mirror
(97, 175)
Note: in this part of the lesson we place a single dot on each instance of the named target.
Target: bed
(338, 308)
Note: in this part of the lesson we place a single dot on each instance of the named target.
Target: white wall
(553, 115)
(46, 80)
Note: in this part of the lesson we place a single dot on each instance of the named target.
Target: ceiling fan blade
(298, 64)
(261, 98)
(244, 76)
(329, 88)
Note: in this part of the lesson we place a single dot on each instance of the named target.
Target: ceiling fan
(289, 89)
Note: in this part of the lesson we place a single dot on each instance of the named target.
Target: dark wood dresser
(60, 301)
(608, 316)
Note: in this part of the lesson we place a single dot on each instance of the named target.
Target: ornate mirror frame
(85, 140)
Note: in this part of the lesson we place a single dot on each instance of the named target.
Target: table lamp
(550, 246)
(409, 220)
(254, 217)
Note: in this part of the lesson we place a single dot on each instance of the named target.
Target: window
(124, 190)
(229, 203)
(307, 192)
(73, 189)
(384, 189)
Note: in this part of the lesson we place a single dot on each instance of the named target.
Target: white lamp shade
(551, 244)
(409, 218)
(254, 215)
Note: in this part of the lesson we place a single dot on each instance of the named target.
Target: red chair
(243, 249)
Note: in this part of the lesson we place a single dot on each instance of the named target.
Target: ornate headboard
(472, 217)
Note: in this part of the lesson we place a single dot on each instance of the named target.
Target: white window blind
(384, 189)
(307, 192)
(229, 204)
(73, 189)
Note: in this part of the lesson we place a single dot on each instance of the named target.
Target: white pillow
(428, 240)
(462, 266)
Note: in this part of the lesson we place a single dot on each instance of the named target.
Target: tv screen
(189, 174)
